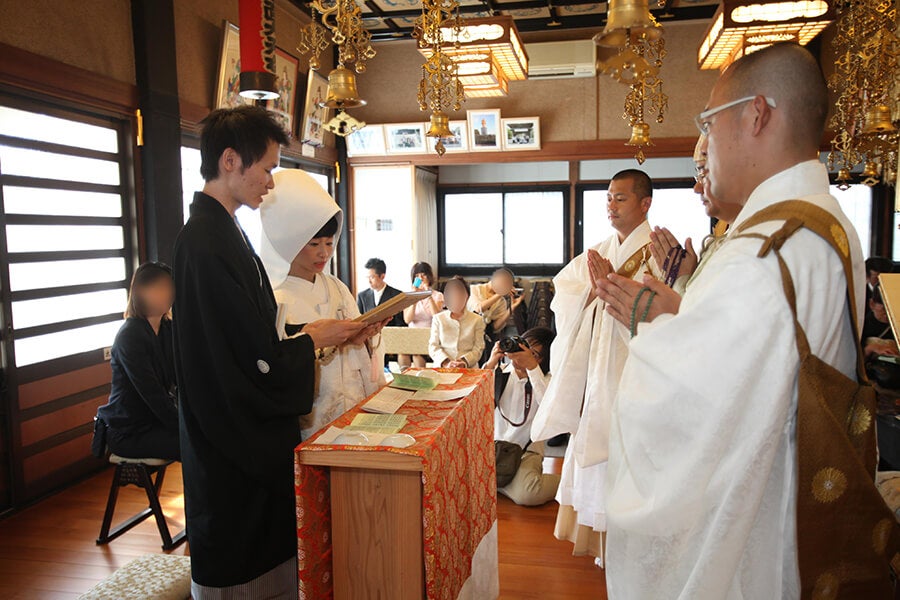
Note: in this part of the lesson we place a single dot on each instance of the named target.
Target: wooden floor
(47, 551)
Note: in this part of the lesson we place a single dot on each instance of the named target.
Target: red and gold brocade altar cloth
(454, 441)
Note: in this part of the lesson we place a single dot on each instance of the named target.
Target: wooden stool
(138, 471)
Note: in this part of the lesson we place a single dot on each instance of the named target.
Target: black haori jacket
(241, 391)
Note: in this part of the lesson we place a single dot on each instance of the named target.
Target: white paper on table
(387, 401)
(441, 378)
(443, 395)
(398, 440)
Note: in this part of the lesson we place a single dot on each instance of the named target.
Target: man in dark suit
(378, 291)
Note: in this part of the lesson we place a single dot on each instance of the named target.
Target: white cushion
(157, 576)
(152, 462)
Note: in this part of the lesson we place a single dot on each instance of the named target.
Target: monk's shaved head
(790, 75)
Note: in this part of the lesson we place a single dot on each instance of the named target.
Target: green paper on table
(413, 382)
(377, 423)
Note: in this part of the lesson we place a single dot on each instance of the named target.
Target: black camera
(512, 344)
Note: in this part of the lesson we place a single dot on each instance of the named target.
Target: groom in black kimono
(241, 389)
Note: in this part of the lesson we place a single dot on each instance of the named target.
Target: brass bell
(628, 19)
(640, 135)
(878, 120)
(870, 169)
(342, 90)
(440, 126)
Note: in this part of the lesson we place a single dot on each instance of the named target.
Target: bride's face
(314, 256)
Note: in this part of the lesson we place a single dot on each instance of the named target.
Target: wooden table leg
(377, 543)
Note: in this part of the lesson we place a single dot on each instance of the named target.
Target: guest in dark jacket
(142, 413)
(378, 291)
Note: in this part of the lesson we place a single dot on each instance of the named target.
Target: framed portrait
(484, 130)
(284, 106)
(405, 138)
(368, 141)
(228, 87)
(458, 143)
(522, 134)
(314, 116)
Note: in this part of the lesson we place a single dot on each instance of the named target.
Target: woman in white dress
(301, 225)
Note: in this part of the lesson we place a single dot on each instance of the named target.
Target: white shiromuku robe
(587, 358)
(344, 377)
(703, 458)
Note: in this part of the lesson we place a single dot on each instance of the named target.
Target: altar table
(403, 523)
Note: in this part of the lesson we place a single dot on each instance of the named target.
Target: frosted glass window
(473, 229)
(678, 209)
(533, 229)
(40, 275)
(856, 203)
(50, 238)
(47, 165)
(55, 345)
(40, 201)
(44, 128)
(30, 313)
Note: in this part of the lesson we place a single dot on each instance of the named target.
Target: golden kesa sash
(847, 538)
(630, 267)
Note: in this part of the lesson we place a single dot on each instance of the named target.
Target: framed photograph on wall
(368, 141)
(286, 69)
(522, 134)
(314, 116)
(458, 143)
(484, 130)
(228, 85)
(405, 138)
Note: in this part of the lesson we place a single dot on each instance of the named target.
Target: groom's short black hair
(641, 182)
(248, 130)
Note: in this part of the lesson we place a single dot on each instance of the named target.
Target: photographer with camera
(519, 387)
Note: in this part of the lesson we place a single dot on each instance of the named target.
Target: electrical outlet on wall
(107, 353)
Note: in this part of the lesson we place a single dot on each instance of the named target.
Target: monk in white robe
(301, 226)
(587, 359)
(703, 458)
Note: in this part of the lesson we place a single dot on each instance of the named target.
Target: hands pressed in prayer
(326, 333)
(620, 293)
(662, 242)
(599, 269)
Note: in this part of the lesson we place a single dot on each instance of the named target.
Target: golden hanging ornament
(440, 89)
(866, 81)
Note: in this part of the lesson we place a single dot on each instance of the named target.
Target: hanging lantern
(257, 24)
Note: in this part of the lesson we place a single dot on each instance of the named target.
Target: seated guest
(301, 226)
(457, 334)
(142, 413)
(498, 302)
(419, 315)
(875, 266)
(519, 388)
(379, 291)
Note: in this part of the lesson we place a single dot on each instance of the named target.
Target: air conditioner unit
(557, 60)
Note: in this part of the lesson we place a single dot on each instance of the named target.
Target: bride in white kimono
(301, 225)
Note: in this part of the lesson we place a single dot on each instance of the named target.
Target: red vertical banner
(257, 25)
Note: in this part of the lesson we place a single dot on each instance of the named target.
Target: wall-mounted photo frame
(522, 133)
(284, 107)
(458, 143)
(484, 130)
(314, 116)
(368, 141)
(228, 85)
(405, 138)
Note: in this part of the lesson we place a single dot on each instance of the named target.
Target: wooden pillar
(153, 26)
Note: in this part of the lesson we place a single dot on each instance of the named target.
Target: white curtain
(424, 238)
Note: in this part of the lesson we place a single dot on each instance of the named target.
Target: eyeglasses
(700, 176)
(702, 120)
